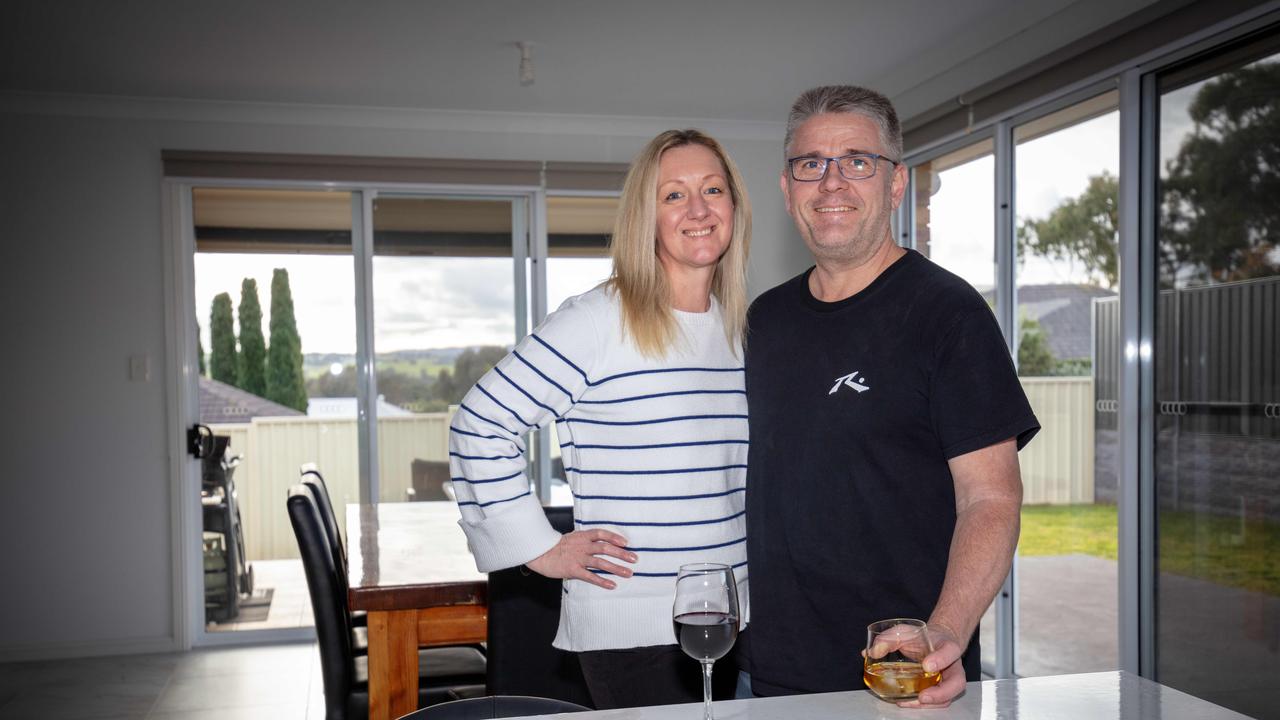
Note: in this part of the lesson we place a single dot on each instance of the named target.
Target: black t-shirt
(855, 407)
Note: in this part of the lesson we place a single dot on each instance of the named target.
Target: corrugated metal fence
(1217, 359)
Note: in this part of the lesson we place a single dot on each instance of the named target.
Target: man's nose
(832, 180)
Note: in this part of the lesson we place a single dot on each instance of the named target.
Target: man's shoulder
(941, 288)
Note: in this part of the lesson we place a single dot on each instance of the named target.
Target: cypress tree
(285, 383)
(252, 367)
(222, 336)
(200, 351)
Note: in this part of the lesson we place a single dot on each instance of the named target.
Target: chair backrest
(524, 614)
(499, 706)
(320, 490)
(328, 600)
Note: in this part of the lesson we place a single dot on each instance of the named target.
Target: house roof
(223, 403)
(1065, 312)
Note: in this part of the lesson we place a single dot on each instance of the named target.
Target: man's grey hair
(848, 99)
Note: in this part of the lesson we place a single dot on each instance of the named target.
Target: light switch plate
(139, 368)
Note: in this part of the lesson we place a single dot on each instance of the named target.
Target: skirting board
(65, 650)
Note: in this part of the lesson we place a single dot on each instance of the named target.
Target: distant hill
(405, 361)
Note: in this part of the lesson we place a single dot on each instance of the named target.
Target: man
(885, 422)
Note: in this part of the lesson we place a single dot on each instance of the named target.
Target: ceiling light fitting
(526, 63)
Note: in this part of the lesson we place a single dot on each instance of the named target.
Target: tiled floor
(290, 604)
(251, 683)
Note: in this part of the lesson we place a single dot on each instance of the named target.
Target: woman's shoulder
(591, 309)
(596, 302)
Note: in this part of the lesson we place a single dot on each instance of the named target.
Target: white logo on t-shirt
(851, 380)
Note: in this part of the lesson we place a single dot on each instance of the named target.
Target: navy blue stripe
(556, 352)
(488, 480)
(478, 435)
(491, 422)
(532, 399)
(503, 405)
(664, 445)
(647, 574)
(483, 457)
(690, 548)
(659, 497)
(621, 523)
(666, 394)
(654, 422)
(541, 374)
(660, 370)
(494, 502)
(674, 471)
(565, 445)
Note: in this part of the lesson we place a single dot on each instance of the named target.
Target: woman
(643, 376)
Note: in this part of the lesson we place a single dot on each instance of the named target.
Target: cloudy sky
(451, 302)
(418, 302)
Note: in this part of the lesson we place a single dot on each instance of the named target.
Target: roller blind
(339, 168)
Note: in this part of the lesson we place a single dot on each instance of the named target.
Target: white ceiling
(657, 58)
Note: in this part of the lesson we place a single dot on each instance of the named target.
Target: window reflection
(1217, 384)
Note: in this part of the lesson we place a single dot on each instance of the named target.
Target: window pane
(260, 383)
(444, 314)
(1066, 190)
(955, 223)
(955, 227)
(1217, 364)
(578, 230)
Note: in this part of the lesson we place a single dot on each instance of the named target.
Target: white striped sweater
(655, 450)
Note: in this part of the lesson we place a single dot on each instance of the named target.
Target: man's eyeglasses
(858, 166)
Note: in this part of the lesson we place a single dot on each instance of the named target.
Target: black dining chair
(311, 477)
(524, 614)
(454, 671)
(499, 706)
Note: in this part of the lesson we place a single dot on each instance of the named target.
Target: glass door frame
(529, 242)
(1139, 174)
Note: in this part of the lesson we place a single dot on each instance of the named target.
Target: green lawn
(1223, 550)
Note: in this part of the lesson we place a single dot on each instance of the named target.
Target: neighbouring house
(223, 403)
(1065, 313)
(345, 407)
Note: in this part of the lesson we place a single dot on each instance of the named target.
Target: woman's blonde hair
(638, 277)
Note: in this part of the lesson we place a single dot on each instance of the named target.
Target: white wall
(85, 492)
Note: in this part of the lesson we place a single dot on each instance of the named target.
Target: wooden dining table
(410, 569)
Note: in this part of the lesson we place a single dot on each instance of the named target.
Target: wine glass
(891, 665)
(706, 617)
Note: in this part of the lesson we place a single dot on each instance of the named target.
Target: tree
(1084, 228)
(468, 367)
(222, 338)
(252, 367)
(200, 351)
(285, 383)
(1221, 217)
(1035, 359)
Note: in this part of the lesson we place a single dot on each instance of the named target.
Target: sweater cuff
(512, 537)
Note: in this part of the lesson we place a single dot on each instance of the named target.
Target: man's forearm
(982, 547)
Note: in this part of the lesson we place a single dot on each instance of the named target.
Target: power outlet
(139, 368)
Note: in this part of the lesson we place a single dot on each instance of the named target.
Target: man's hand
(945, 657)
(579, 552)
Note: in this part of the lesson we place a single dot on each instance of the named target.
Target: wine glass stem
(706, 689)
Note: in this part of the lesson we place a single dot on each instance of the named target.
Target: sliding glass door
(1217, 379)
(339, 328)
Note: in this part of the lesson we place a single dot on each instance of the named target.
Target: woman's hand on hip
(580, 552)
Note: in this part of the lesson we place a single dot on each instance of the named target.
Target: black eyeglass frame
(826, 165)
